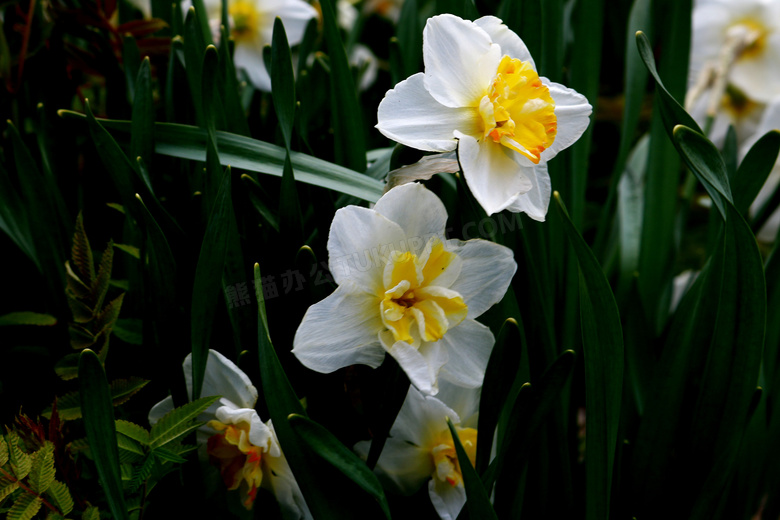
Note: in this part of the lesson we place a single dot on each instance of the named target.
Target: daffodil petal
(222, 377)
(421, 419)
(759, 76)
(537, 200)
(420, 369)
(159, 410)
(409, 115)
(427, 219)
(280, 479)
(508, 40)
(359, 246)
(259, 433)
(339, 331)
(249, 57)
(572, 111)
(295, 15)
(482, 288)
(491, 172)
(403, 467)
(468, 346)
(462, 400)
(447, 500)
(460, 61)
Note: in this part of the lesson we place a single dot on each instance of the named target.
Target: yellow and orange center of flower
(737, 103)
(518, 111)
(753, 33)
(246, 20)
(410, 301)
(445, 458)
(238, 459)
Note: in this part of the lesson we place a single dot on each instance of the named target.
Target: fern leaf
(67, 367)
(129, 449)
(7, 486)
(59, 494)
(80, 337)
(132, 430)
(142, 473)
(179, 421)
(3, 452)
(130, 250)
(100, 285)
(168, 455)
(53, 515)
(20, 461)
(82, 313)
(91, 513)
(81, 253)
(124, 389)
(109, 314)
(42, 470)
(68, 407)
(25, 507)
(76, 287)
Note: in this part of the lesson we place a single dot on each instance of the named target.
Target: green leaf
(189, 142)
(27, 318)
(602, 345)
(282, 81)
(99, 424)
(7, 486)
(59, 495)
(754, 170)
(409, 34)
(123, 389)
(81, 253)
(234, 112)
(324, 444)
(3, 451)
(42, 469)
(130, 250)
(211, 262)
(101, 281)
(179, 422)
(142, 132)
(91, 513)
(706, 163)
(195, 42)
(25, 507)
(133, 431)
(477, 499)
(168, 455)
(19, 460)
(129, 330)
(347, 118)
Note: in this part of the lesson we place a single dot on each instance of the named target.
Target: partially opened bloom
(252, 28)
(245, 449)
(420, 448)
(480, 94)
(405, 290)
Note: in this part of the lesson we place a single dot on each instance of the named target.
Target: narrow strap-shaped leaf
(142, 132)
(189, 142)
(347, 118)
(101, 432)
(283, 81)
(208, 280)
(324, 444)
(235, 118)
(754, 170)
(409, 34)
(602, 344)
(27, 318)
(477, 499)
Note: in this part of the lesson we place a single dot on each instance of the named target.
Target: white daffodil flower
(245, 449)
(480, 94)
(252, 28)
(405, 290)
(420, 448)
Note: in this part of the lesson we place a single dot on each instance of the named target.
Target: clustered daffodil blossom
(481, 94)
(733, 73)
(245, 449)
(420, 448)
(405, 290)
(252, 27)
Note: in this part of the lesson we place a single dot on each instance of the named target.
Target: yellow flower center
(238, 459)
(737, 103)
(246, 20)
(445, 458)
(754, 35)
(518, 111)
(409, 300)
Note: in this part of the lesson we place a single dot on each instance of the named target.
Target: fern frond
(132, 430)
(179, 421)
(142, 473)
(25, 507)
(81, 253)
(124, 389)
(53, 515)
(91, 513)
(129, 449)
(76, 287)
(7, 486)
(20, 461)
(109, 314)
(67, 367)
(59, 494)
(100, 286)
(79, 445)
(3, 451)
(168, 455)
(42, 470)
(68, 406)
(82, 313)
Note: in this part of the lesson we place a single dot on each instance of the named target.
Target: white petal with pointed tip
(460, 61)
(339, 331)
(469, 346)
(572, 112)
(447, 500)
(409, 115)
(537, 200)
(491, 172)
(419, 212)
(510, 43)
